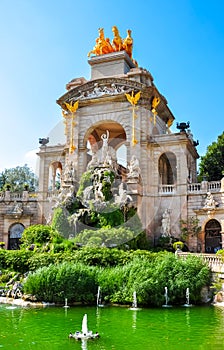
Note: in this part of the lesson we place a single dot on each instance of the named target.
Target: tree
(189, 227)
(212, 164)
(18, 179)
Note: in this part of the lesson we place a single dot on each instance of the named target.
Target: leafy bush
(76, 274)
(60, 222)
(16, 260)
(102, 257)
(108, 237)
(54, 283)
(38, 234)
(85, 181)
(150, 277)
(39, 260)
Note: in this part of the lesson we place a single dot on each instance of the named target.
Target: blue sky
(44, 45)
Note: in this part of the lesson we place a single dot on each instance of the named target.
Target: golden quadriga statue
(103, 45)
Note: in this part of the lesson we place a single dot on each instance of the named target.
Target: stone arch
(117, 136)
(213, 236)
(167, 165)
(15, 234)
(100, 119)
(55, 175)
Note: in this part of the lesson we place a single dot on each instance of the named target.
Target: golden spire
(72, 109)
(133, 101)
(155, 102)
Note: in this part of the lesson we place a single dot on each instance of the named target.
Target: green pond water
(120, 328)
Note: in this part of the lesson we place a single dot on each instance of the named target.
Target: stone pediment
(114, 88)
(100, 88)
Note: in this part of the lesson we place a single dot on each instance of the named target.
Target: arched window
(213, 238)
(15, 233)
(167, 168)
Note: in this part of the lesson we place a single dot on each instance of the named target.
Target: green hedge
(147, 274)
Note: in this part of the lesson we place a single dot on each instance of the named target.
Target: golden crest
(72, 108)
(133, 99)
(155, 102)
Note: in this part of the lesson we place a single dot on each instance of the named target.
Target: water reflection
(98, 315)
(84, 344)
(187, 316)
(134, 318)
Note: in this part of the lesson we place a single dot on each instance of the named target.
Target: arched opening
(116, 140)
(55, 172)
(15, 234)
(213, 238)
(167, 168)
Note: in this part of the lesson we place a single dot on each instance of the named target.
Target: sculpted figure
(102, 46)
(69, 172)
(94, 161)
(166, 223)
(97, 91)
(123, 197)
(105, 138)
(108, 160)
(134, 170)
(18, 209)
(210, 203)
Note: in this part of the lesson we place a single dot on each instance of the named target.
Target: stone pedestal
(134, 189)
(111, 64)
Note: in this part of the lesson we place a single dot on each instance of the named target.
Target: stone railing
(8, 196)
(203, 187)
(194, 187)
(167, 189)
(214, 186)
(215, 262)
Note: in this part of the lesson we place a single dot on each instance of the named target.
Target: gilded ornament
(155, 102)
(133, 100)
(104, 46)
(72, 109)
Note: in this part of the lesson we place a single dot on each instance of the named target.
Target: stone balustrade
(167, 189)
(203, 187)
(214, 261)
(8, 196)
(194, 187)
(214, 186)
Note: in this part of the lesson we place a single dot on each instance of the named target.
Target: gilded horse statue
(128, 43)
(102, 46)
(117, 40)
